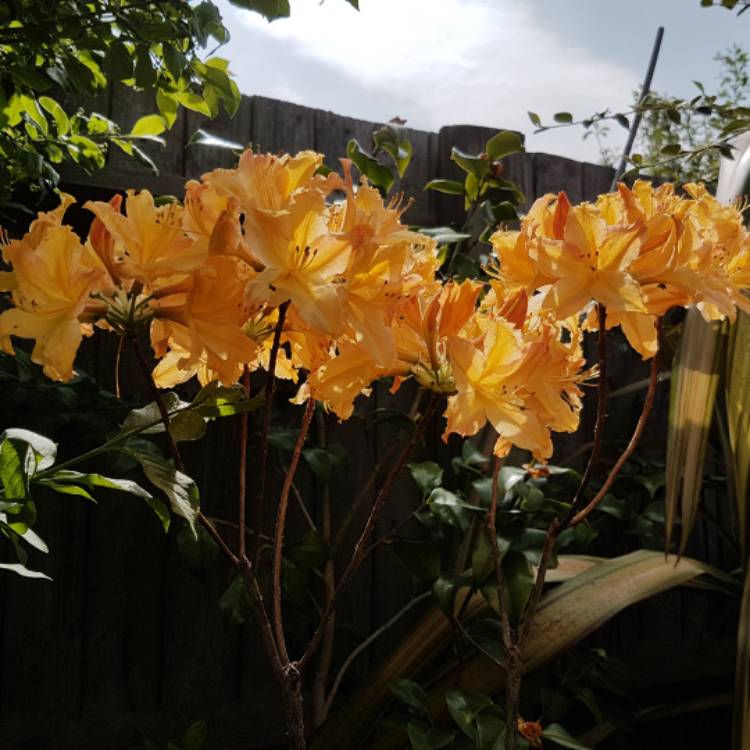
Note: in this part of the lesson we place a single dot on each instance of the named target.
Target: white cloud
(479, 62)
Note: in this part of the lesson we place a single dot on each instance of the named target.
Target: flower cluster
(638, 252)
(276, 248)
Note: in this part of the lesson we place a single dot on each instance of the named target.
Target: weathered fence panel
(127, 639)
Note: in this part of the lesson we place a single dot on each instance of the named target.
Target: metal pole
(637, 117)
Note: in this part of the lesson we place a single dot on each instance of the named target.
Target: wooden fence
(126, 639)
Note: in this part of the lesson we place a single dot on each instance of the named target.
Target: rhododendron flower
(151, 242)
(51, 284)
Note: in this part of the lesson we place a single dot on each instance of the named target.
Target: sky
(479, 62)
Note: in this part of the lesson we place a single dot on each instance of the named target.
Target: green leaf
(412, 695)
(491, 731)
(694, 382)
(563, 118)
(12, 473)
(451, 187)
(428, 475)
(44, 451)
(235, 601)
(450, 509)
(119, 61)
(269, 9)
(179, 488)
(421, 559)
(147, 419)
(198, 551)
(485, 635)
(195, 102)
(472, 165)
(22, 570)
(68, 489)
(379, 175)
(58, 114)
(445, 235)
(323, 461)
(535, 119)
(195, 736)
(228, 402)
(504, 144)
(464, 706)
(187, 425)
(148, 125)
(424, 737)
(145, 74)
(671, 149)
(518, 579)
(66, 476)
(309, 553)
(445, 588)
(560, 736)
(737, 398)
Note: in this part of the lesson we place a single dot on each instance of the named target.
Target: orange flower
(51, 284)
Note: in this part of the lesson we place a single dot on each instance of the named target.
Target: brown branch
(360, 549)
(601, 410)
(217, 537)
(243, 468)
(281, 514)
(263, 445)
(321, 706)
(632, 445)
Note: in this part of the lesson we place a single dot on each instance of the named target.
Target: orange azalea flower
(298, 265)
(151, 241)
(484, 378)
(589, 261)
(51, 284)
(204, 324)
(263, 184)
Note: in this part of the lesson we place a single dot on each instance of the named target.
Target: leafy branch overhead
(55, 56)
(679, 139)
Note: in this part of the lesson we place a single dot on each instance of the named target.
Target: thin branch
(368, 642)
(243, 468)
(360, 549)
(632, 445)
(263, 446)
(217, 537)
(281, 514)
(601, 414)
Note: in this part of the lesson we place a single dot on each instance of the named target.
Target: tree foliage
(56, 55)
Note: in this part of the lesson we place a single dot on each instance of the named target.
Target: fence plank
(280, 126)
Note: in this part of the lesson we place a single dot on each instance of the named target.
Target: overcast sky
(479, 62)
